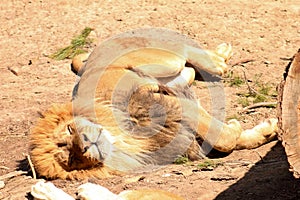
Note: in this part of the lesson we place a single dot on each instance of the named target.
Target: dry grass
(76, 47)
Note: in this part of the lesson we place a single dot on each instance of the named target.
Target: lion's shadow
(267, 179)
(23, 165)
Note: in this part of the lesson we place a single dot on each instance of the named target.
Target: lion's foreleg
(185, 78)
(48, 191)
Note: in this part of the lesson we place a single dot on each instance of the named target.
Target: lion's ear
(41, 115)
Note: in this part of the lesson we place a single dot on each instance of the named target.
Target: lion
(133, 110)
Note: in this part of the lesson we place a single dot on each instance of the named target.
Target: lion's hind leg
(226, 137)
(213, 62)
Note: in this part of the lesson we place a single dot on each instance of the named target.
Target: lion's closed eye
(70, 129)
(85, 138)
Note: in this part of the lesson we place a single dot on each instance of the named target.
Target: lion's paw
(216, 63)
(89, 191)
(47, 191)
(224, 50)
(270, 128)
(260, 134)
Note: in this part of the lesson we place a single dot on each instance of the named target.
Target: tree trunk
(289, 113)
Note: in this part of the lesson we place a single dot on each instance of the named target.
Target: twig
(286, 59)
(260, 104)
(3, 167)
(251, 90)
(14, 71)
(260, 157)
(243, 61)
(31, 167)
(12, 174)
(238, 163)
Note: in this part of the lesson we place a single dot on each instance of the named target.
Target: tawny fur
(51, 145)
(44, 141)
(124, 106)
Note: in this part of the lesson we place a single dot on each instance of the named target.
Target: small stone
(267, 62)
(2, 185)
(166, 175)
(134, 179)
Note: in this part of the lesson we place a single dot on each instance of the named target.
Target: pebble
(2, 185)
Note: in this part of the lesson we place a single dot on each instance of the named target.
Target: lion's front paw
(89, 191)
(47, 191)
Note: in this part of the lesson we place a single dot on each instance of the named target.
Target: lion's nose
(85, 149)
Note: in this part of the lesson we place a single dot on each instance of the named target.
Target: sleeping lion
(133, 110)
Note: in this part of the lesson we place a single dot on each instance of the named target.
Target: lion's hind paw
(224, 50)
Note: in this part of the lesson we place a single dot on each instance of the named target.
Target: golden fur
(56, 154)
(48, 134)
(134, 114)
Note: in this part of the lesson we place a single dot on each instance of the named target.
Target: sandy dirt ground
(266, 34)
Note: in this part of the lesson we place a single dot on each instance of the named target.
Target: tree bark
(289, 113)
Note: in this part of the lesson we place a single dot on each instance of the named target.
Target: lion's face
(93, 140)
(82, 143)
(68, 143)
(71, 142)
